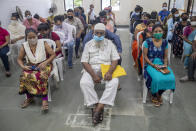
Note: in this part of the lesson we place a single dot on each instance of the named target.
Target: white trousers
(90, 96)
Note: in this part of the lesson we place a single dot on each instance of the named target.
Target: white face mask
(193, 23)
(164, 8)
(32, 41)
(176, 15)
(50, 14)
(14, 22)
(29, 17)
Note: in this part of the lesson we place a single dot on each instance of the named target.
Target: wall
(126, 6)
(35, 6)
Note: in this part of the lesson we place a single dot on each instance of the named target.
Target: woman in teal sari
(156, 55)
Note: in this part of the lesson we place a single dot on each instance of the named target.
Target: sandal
(96, 118)
(44, 106)
(155, 102)
(160, 100)
(26, 103)
(154, 99)
(101, 115)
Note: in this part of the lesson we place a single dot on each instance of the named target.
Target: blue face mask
(59, 26)
(98, 39)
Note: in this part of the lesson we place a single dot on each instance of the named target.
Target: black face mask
(70, 17)
(184, 19)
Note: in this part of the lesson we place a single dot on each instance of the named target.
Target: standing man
(164, 13)
(79, 28)
(91, 14)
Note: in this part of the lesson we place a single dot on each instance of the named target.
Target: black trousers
(4, 57)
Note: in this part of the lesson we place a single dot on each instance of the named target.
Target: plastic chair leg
(171, 97)
(60, 68)
(49, 90)
(145, 92)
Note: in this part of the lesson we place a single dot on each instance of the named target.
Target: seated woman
(46, 33)
(139, 28)
(4, 49)
(145, 35)
(188, 37)
(16, 29)
(34, 78)
(156, 55)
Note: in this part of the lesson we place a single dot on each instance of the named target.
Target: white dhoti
(90, 96)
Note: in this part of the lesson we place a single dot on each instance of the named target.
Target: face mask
(193, 23)
(45, 36)
(32, 41)
(98, 39)
(158, 35)
(70, 17)
(145, 21)
(13, 22)
(59, 26)
(176, 15)
(77, 14)
(164, 8)
(184, 18)
(150, 29)
(50, 14)
(137, 13)
(29, 17)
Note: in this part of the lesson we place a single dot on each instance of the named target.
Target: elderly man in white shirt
(96, 52)
(68, 42)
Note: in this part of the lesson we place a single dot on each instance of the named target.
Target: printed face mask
(158, 35)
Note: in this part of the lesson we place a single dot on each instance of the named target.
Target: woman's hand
(156, 67)
(42, 65)
(26, 68)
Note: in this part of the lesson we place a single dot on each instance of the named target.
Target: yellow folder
(119, 71)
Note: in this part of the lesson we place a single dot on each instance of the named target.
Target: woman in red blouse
(4, 49)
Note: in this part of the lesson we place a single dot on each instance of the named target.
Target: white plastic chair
(52, 44)
(138, 45)
(169, 53)
(60, 60)
(145, 89)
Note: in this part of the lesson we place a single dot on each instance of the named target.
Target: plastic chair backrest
(169, 53)
(51, 43)
(61, 35)
(138, 39)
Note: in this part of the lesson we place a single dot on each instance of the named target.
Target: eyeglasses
(97, 33)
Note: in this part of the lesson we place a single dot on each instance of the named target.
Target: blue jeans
(4, 57)
(70, 52)
(77, 45)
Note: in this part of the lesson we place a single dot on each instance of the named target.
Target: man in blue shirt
(109, 35)
(163, 13)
